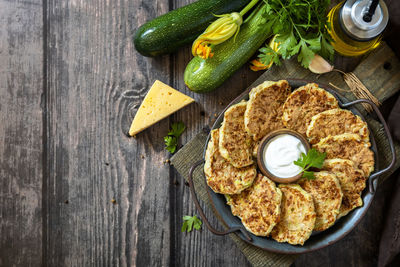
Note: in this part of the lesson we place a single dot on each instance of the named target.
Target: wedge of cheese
(160, 102)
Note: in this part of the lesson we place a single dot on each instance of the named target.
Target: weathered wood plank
(95, 80)
(380, 72)
(21, 150)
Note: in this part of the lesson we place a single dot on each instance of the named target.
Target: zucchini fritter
(223, 177)
(264, 108)
(303, 104)
(297, 215)
(334, 122)
(235, 144)
(258, 206)
(352, 182)
(327, 195)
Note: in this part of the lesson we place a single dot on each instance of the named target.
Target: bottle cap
(353, 22)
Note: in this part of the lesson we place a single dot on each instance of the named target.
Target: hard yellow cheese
(160, 102)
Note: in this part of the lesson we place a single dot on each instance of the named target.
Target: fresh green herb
(313, 159)
(171, 140)
(300, 28)
(189, 222)
(170, 143)
(177, 129)
(269, 55)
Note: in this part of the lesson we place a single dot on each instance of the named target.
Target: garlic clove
(319, 65)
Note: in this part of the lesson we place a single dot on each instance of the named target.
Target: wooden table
(75, 190)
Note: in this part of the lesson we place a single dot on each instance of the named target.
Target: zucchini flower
(218, 32)
(256, 65)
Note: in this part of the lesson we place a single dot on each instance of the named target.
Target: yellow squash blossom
(256, 65)
(218, 32)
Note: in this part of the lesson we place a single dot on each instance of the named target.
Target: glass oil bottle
(356, 26)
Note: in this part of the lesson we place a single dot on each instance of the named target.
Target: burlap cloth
(193, 152)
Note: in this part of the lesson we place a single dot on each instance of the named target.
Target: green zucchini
(179, 27)
(205, 75)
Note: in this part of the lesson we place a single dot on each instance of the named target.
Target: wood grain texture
(70, 84)
(21, 87)
(380, 72)
(95, 80)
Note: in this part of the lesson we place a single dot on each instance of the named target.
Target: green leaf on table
(190, 222)
(327, 50)
(269, 55)
(314, 44)
(171, 140)
(177, 129)
(295, 49)
(170, 143)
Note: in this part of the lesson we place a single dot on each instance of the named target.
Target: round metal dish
(319, 239)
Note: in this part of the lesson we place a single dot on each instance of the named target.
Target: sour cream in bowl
(278, 151)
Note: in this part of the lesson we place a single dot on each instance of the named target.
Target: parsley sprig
(171, 140)
(313, 159)
(189, 222)
(300, 28)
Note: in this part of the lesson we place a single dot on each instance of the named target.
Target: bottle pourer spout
(371, 10)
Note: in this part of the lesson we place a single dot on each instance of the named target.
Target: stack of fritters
(290, 212)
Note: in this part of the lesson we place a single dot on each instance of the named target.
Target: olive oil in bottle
(356, 26)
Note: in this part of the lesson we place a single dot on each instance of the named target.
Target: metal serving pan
(318, 240)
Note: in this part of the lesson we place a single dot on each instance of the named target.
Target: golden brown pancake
(352, 182)
(327, 195)
(334, 122)
(264, 108)
(351, 147)
(297, 215)
(258, 206)
(303, 104)
(223, 177)
(235, 145)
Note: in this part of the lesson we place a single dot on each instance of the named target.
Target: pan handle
(373, 177)
(203, 216)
